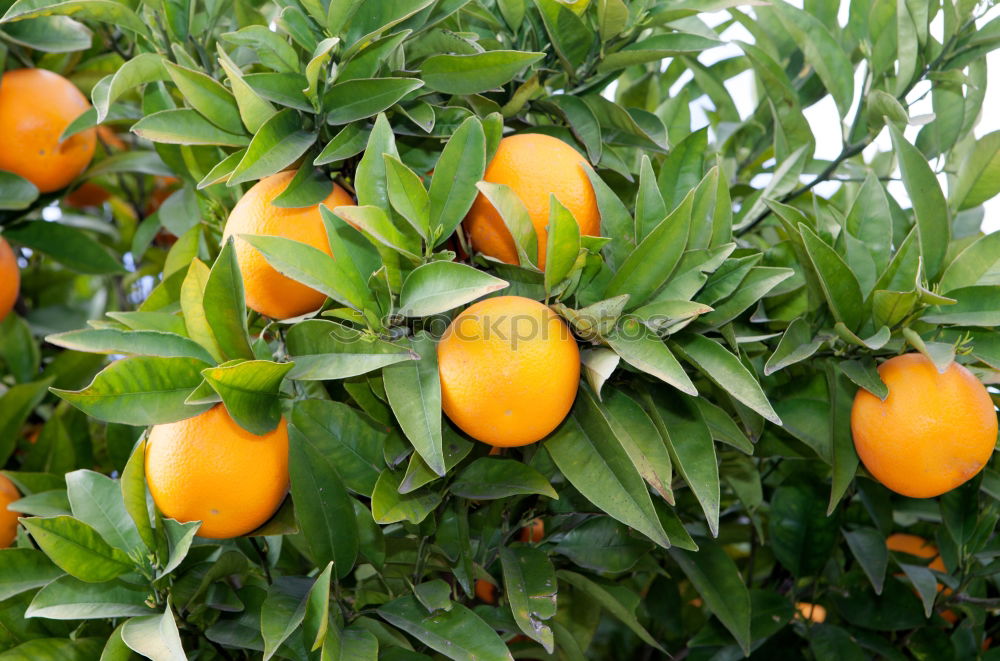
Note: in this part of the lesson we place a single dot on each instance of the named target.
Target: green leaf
(458, 169)
(570, 36)
(845, 457)
(655, 48)
(802, 535)
(391, 506)
(139, 70)
(15, 406)
(357, 99)
(253, 108)
(925, 584)
(692, 451)
(322, 506)
(530, 585)
(487, 478)
(68, 598)
(143, 343)
(796, 344)
(370, 178)
(282, 612)
(563, 244)
(609, 603)
(54, 649)
(515, 216)
(478, 72)
(616, 221)
(979, 174)
(839, 284)
(413, 389)
(407, 195)
(682, 169)
(49, 34)
(864, 375)
(67, 245)
(458, 633)
(976, 306)
(725, 370)
(655, 258)
(16, 192)
(642, 438)
(822, 52)
(179, 537)
(375, 224)
(717, 580)
(978, 264)
(317, 616)
(437, 287)
(133, 486)
(77, 548)
(185, 127)
(278, 143)
(868, 547)
(106, 11)
(324, 350)
(154, 636)
(23, 569)
(418, 473)
(97, 501)
(208, 96)
(602, 544)
(587, 452)
(273, 50)
(250, 391)
(349, 141)
(929, 207)
(598, 366)
(140, 390)
(225, 308)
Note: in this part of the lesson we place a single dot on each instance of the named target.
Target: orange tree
(492, 329)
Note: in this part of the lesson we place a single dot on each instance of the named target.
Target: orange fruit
(812, 612)
(934, 431)
(509, 369)
(486, 591)
(267, 291)
(8, 519)
(88, 194)
(36, 106)
(209, 469)
(534, 166)
(10, 279)
(918, 546)
(533, 532)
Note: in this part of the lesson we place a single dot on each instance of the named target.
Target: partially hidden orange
(207, 468)
(933, 432)
(10, 279)
(534, 532)
(509, 369)
(36, 106)
(8, 519)
(535, 166)
(268, 291)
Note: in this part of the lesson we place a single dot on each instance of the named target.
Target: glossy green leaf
(488, 479)
(77, 548)
(413, 389)
(471, 74)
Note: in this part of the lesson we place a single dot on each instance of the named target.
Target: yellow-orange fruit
(533, 532)
(36, 106)
(534, 166)
(8, 519)
(486, 591)
(267, 291)
(509, 369)
(209, 469)
(934, 431)
(88, 194)
(808, 611)
(10, 279)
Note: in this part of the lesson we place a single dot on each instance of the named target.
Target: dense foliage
(705, 485)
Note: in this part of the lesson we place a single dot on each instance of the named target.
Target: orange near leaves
(267, 291)
(934, 432)
(88, 194)
(8, 519)
(10, 279)
(534, 166)
(809, 611)
(533, 532)
(509, 369)
(209, 469)
(486, 591)
(36, 106)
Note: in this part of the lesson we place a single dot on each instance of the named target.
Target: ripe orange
(10, 279)
(934, 432)
(267, 291)
(918, 546)
(209, 469)
(509, 369)
(8, 519)
(808, 611)
(533, 532)
(88, 194)
(534, 166)
(486, 591)
(36, 106)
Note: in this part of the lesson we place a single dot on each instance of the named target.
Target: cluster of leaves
(705, 481)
